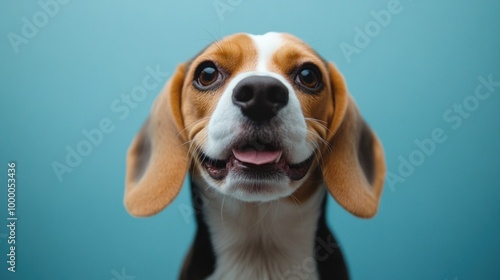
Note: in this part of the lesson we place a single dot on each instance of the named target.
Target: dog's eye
(308, 77)
(206, 75)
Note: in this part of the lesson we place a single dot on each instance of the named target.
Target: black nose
(259, 97)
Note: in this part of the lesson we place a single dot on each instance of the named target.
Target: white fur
(264, 241)
(266, 45)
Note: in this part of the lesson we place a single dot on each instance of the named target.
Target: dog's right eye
(206, 75)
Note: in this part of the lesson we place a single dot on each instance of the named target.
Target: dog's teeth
(278, 158)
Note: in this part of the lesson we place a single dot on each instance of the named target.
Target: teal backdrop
(425, 74)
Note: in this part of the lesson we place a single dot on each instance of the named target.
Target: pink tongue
(256, 157)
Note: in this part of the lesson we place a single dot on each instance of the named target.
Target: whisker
(317, 155)
(261, 218)
(316, 136)
(194, 123)
(215, 39)
(316, 120)
(275, 213)
(297, 202)
(222, 213)
(321, 123)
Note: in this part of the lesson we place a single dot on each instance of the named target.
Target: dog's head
(256, 117)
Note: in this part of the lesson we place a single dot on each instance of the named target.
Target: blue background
(442, 222)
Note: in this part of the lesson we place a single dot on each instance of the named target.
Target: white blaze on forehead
(266, 45)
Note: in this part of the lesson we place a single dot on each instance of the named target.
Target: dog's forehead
(266, 46)
(258, 52)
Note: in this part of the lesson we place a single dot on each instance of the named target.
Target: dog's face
(256, 117)
(247, 108)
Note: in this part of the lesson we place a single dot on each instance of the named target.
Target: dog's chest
(261, 240)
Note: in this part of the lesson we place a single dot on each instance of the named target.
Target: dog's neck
(261, 240)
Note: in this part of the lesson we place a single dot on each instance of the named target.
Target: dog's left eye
(308, 77)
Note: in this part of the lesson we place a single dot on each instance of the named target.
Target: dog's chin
(254, 190)
(261, 191)
(255, 182)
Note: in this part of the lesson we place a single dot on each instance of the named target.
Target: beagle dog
(265, 127)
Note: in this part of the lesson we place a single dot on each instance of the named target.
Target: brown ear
(354, 166)
(157, 158)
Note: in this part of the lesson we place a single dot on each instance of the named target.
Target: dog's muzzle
(259, 152)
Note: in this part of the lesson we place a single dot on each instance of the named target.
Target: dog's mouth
(256, 161)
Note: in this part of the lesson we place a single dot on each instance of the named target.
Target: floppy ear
(354, 166)
(157, 160)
